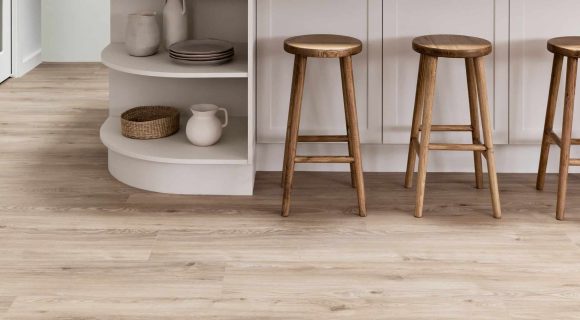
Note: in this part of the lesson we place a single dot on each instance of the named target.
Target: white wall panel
(407, 19)
(75, 30)
(533, 22)
(323, 111)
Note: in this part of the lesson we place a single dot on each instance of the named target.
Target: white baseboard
(28, 63)
(393, 158)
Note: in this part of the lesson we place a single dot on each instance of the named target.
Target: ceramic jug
(174, 22)
(143, 36)
(204, 128)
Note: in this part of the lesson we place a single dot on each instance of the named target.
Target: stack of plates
(201, 52)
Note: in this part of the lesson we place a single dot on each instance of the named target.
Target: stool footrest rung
(575, 162)
(457, 147)
(323, 138)
(323, 159)
(449, 127)
(554, 139)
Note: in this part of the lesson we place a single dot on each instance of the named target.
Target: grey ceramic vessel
(143, 36)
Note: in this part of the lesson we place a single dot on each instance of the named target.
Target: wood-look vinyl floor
(76, 244)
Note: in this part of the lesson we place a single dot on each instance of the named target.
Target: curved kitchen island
(173, 164)
(256, 87)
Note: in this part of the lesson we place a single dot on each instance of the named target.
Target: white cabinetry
(322, 111)
(385, 72)
(406, 19)
(533, 22)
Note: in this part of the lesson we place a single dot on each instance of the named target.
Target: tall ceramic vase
(143, 36)
(174, 22)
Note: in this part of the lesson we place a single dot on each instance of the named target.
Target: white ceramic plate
(211, 55)
(201, 57)
(201, 60)
(217, 56)
(201, 47)
(201, 63)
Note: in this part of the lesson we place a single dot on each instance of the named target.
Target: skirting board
(170, 178)
(393, 158)
(28, 63)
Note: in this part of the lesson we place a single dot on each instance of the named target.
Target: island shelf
(172, 164)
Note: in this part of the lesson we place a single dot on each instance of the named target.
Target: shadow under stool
(323, 46)
(473, 50)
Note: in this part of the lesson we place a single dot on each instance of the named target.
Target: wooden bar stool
(473, 50)
(561, 47)
(323, 46)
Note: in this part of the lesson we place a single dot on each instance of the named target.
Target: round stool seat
(565, 46)
(323, 46)
(452, 46)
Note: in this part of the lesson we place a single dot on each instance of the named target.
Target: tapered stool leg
(287, 143)
(417, 114)
(294, 125)
(487, 135)
(549, 123)
(473, 114)
(571, 73)
(297, 81)
(430, 77)
(348, 133)
(353, 138)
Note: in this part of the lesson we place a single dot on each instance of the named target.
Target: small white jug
(204, 128)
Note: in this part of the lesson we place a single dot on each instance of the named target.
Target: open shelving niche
(172, 164)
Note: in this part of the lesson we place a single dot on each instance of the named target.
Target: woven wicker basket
(153, 122)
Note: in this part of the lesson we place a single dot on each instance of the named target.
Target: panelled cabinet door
(406, 19)
(322, 110)
(533, 22)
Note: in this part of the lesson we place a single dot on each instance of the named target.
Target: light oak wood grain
(417, 120)
(431, 48)
(561, 47)
(323, 46)
(296, 94)
(347, 75)
(570, 95)
(487, 130)
(429, 68)
(457, 147)
(5, 303)
(77, 244)
(549, 137)
(452, 46)
(565, 46)
(474, 117)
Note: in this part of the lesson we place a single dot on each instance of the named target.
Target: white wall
(74, 30)
(27, 48)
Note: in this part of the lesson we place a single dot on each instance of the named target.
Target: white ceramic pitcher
(204, 128)
(174, 22)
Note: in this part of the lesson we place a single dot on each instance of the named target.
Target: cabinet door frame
(395, 132)
(517, 65)
(6, 40)
(371, 127)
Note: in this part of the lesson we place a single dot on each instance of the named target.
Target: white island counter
(256, 87)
